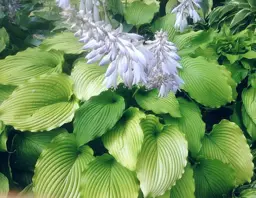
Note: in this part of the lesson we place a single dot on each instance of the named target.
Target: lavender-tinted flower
(164, 74)
(64, 4)
(186, 9)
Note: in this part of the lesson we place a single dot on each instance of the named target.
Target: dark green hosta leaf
(213, 179)
(4, 186)
(65, 42)
(238, 72)
(125, 139)
(249, 124)
(206, 6)
(162, 159)
(115, 6)
(227, 143)
(150, 101)
(98, 115)
(15, 70)
(4, 39)
(41, 104)
(190, 123)
(220, 12)
(88, 79)
(28, 146)
(252, 3)
(138, 13)
(105, 177)
(240, 16)
(207, 82)
(59, 168)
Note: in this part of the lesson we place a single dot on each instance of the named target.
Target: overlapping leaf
(98, 115)
(15, 70)
(107, 178)
(249, 124)
(124, 141)
(5, 91)
(59, 168)
(4, 186)
(3, 137)
(162, 159)
(227, 143)
(88, 79)
(150, 101)
(41, 104)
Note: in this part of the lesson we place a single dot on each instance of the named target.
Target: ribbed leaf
(88, 79)
(4, 186)
(41, 104)
(106, 178)
(213, 179)
(59, 168)
(97, 115)
(249, 124)
(15, 70)
(26, 192)
(5, 92)
(124, 141)
(249, 102)
(3, 137)
(206, 82)
(28, 146)
(190, 123)
(65, 42)
(151, 102)
(162, 159)
(227, 143)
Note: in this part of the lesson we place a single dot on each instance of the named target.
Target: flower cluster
(152, 64)
(10, 7)
(186, 9)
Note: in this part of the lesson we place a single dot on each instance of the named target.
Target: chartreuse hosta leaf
(27, 192)
(4, 186)
(190, 123)
(227, 143)
(106, 178)
(5, 91)
(206, 82)
(65, 42)
(248, 111)
(149, 100)
(28, 146)
(41, 104)
(3, 137)
(213, 179)
(59, 168)
(97, 115)
(15, 70)
(248, 193)
(124, 141)
(88, 79)
(162, 159)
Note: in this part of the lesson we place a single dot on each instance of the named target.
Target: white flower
(186, 9)
(64, 4)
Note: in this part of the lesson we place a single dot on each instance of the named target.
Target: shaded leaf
(239, 17)
(5, 92)
(4, 186)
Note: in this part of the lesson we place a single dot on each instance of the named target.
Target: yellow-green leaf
(4, 186)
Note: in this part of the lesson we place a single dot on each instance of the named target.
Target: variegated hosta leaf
(5, 92)
(248, 111)
(41, 104)
(206, 82)
(4, 186)
(98, 115)
(227, 143)
(88, 79)
(162, 159)
(28, 146)
(149, 100)
(106, 178)
(190, 123)
(124, 141)
(213, 179)
(65, 42)
(59, 168)
(15, 70)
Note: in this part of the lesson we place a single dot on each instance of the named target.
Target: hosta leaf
(3, 138)
(248, 193)
(115, 6)
(97, 115)
(138, 13)
(238, 72)
(27, 64)
(249, 102)
(165, 23)
(26, 192)
(5, 91)
(124, 141)
(107, 178)
(162, 159)
(4, 39)
(206, 82)
(150, 101)
(28, 146)
(213, 179)
(88, 79)
(239, 17)
(227, 143)
(59, 168)
(249, 124)
(65, 42)
(41, 104)
(4, 186)
(190, 123)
